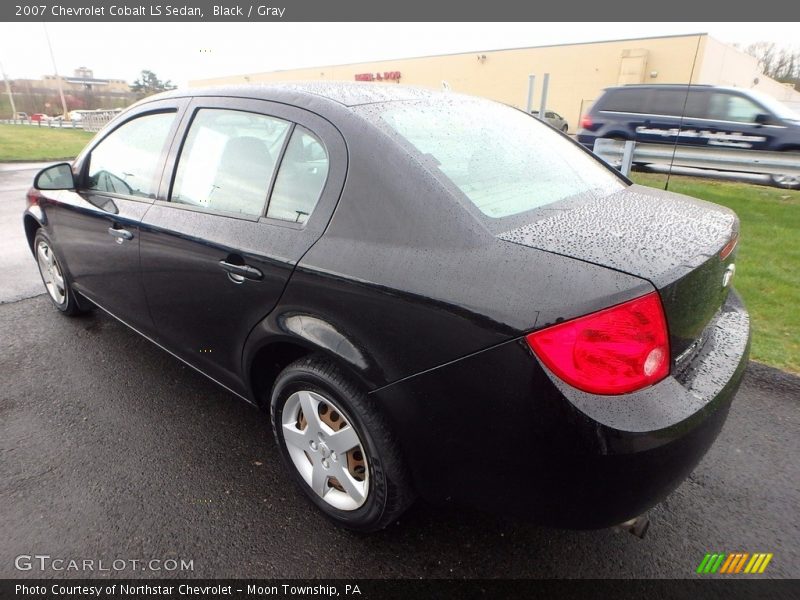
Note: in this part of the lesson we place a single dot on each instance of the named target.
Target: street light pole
(8, 91)
(55, 71)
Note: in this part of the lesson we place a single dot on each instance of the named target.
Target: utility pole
(8, 91)
(55, 72)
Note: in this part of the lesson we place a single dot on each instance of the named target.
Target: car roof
(344, 93)
(680, 86)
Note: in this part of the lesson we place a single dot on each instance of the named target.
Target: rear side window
(632, 100)
(228, 160)
(504, 161)
(300, 179)
(126, 161)
(677, 102)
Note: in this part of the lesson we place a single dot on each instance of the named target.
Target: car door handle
(245, 271)
(120, 234)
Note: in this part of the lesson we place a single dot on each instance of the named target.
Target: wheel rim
(325, 449)
(786, 180)
(51, 272)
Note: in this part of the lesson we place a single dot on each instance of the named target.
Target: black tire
(787, 182)
(565, 128)
(70, 305)
(390, 491)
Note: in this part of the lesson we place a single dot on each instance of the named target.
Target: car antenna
(683, 114)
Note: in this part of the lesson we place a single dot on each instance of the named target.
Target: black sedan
(431, 294)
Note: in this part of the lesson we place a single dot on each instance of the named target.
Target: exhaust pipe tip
(637, 526)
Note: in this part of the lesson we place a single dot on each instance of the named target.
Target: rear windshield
(504, 161)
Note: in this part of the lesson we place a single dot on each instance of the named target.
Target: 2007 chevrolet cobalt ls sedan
(432, 294)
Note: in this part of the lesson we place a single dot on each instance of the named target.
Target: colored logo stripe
(734, 563)
(758, 563)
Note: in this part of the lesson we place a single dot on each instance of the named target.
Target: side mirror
(55, 177)
(764, 119)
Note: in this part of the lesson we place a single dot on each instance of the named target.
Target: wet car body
(427, 305)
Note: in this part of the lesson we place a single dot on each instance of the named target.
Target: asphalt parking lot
(111, 449)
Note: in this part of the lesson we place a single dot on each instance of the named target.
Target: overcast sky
(184, 51)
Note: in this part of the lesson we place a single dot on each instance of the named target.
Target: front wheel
(53, 277)
(338, 446)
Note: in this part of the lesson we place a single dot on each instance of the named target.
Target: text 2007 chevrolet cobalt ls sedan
(432, 294)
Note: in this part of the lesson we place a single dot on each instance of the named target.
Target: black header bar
(399, 11)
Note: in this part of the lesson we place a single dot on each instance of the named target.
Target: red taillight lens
(729, 247)
(33, 197)
(614, 351)
(586, 122)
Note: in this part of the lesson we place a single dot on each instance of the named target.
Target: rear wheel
(337, 446)
(788, 182)
(52, 272)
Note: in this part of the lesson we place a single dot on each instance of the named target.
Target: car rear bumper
(497, 431)
(586, 140)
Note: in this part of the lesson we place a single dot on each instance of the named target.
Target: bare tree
(149, 84)
(780, 63)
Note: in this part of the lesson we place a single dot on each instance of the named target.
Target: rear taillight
(586, 122)
(729, 247)
(614, 351)
(33, 197)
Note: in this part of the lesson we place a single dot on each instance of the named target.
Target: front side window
(126, 161)
(501, 159)
(729, 107)
(228, 160)
(301, 177)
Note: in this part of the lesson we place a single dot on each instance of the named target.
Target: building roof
(86, 80)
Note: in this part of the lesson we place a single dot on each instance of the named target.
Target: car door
(733, 123)
(249, 188)
(96, 226)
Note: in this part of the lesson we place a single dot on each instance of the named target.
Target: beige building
(578, 72)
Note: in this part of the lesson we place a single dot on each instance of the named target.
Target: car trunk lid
(673, 241)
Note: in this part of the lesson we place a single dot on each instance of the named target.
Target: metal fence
(57, 123)
(90, 120)
(621, 154)
(97, 119)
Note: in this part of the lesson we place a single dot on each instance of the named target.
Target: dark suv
(712, 116)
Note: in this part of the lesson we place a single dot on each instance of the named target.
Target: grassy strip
(768, 263)
(34, 143)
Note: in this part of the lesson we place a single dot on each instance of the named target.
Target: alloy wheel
(51, 272)
(326, 449)
(786, 181)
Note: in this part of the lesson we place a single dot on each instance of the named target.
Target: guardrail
(60, 123)
(621, 154)
(97, 119)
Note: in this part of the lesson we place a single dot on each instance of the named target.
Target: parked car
(554, 119)
(39, 117)
(430, 294)
(697, 115)
(23, 116)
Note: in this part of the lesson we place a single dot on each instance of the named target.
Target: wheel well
(31, 225)
(267, 364)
